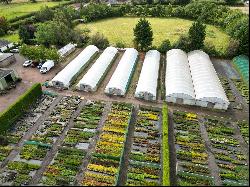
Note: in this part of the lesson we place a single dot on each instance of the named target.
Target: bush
(232, 48)
(183, 43)
(120, 44)
(17, 109)
(99, 40)
(165, 46)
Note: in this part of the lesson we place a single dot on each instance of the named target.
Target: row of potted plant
(104, 165)
(192, 157)
(145, 156)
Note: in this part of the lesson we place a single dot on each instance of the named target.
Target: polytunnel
(178, 80)
(120, 79)
(67, 49)
(97, 72)
(65, 77)
(208, 89)
(147, 84)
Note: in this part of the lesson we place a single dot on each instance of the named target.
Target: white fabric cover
(147, 84)
(120, 78)
(64, 51)
(178, 80)
(90, 80)
(64, 77)
(206, 83)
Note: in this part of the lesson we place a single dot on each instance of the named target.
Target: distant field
(121, 29)
(17, 9)
(11, 37)
(244, 9)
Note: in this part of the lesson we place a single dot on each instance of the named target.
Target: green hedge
(16, 110)
(165, 148)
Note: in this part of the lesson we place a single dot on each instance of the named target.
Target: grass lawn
(17, 9)
(121, 29)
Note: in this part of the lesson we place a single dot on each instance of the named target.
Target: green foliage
(165, 149)
(17, 109)
(183, 43)
(143, 35)
(44, 14)
(99, 40)
(197, 34)
(26, 33)
(39, 53)
(165, 46)
(4, 26)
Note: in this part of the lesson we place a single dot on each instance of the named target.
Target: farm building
(120, 79)
(65, 77)
(241, 63)
(6, 59)
(178, 80)
(208, 89)
(147, 84)
(7, 77)
(66, 50)
(97, 72)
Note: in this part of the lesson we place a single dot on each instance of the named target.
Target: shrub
(17, 109)
(165, 46)
(120, 44)
(3, 26)
(183, 43)
(232, 48)
(99, 40)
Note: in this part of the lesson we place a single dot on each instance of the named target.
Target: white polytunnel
(67, 49)
(178, 80)
(65, 77)
(147, 84)
(121, 78)
(97, 72)
(208, 89)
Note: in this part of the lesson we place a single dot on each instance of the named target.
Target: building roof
(4, 56)
(4, 72)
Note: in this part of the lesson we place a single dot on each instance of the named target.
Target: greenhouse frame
(241, 64)
(147, 84)
(208, 89)
(178, 80)
(97, 72)
(65, 77)
(121, 78)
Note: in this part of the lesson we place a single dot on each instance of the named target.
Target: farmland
(17, 9)
(163, 28)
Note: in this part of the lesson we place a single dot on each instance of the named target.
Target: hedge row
(165, 148)
(17, 109)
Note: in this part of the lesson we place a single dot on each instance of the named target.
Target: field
(11, 37)
(121, 30)
(17, 9)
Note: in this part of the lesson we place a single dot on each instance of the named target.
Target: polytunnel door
(179, 101)
(210, 105)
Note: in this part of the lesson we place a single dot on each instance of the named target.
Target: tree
(143, 35)
(44, 14)
(4, 26)
(197, 34)
(165, 46)
(27, 33)
(39, 53)
(54, 33)
(5, 1)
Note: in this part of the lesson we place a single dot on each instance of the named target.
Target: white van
(47, 66)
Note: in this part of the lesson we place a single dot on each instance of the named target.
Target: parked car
(34, 64)
(40, 65)
(14, 50)
(27, 63)
(47, 66)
